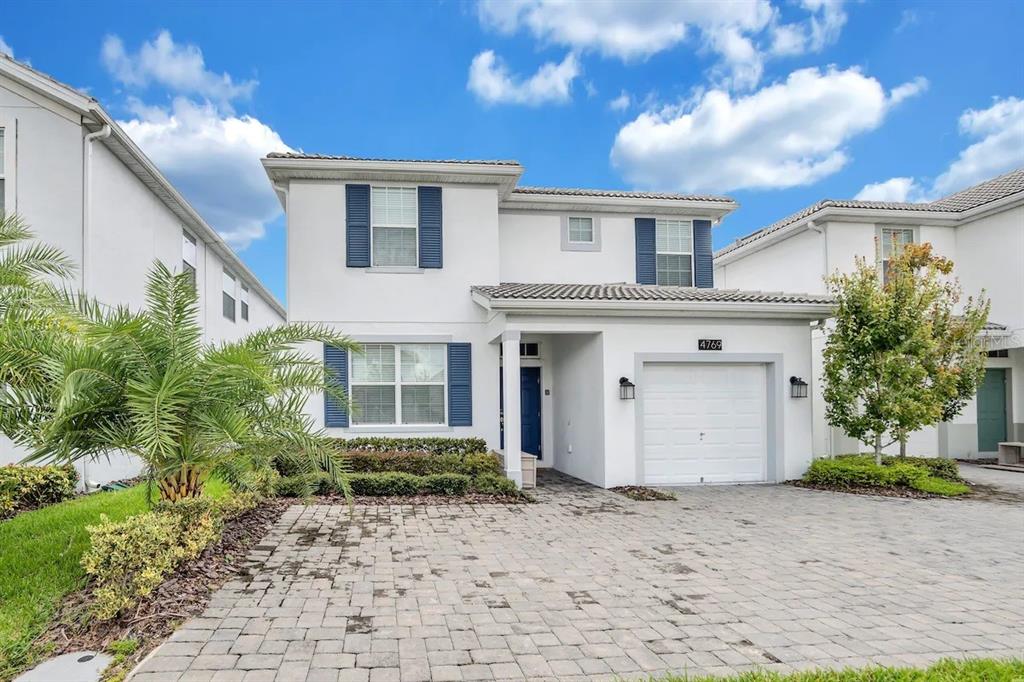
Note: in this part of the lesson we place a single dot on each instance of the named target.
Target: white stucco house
(980, 228)
(81, 184)
(580, 326)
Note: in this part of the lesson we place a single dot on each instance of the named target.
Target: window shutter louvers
(335, 410)
(431, 242)
(460, 384)
(646, 254)
(703, 258)
(357, 226)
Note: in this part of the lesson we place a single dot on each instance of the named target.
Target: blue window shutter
(703, 259)
(431, 251)
(646, 254)
(336, 361)
(460, 384)
(357, 226)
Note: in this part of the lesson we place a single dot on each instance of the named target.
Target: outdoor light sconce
(797, 387)
(627, 390)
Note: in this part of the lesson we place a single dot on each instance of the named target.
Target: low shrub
(385, 484)
(445, 484)
(433, 446)
(860, 471)
(302, 485)
(493, 484)
(29, 487)
(424, 464)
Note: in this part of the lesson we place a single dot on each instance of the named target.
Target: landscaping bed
(24, 488)
(642, 493)
(911, 477)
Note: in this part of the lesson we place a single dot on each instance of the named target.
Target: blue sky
(777, 104)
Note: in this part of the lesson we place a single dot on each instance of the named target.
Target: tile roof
(972, 197)
(332, 157)
(640, 293)
(576, 192)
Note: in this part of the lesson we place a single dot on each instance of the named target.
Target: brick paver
(589, 585)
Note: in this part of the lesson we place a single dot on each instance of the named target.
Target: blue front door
(529, 406)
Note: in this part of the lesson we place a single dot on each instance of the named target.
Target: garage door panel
(704, 423)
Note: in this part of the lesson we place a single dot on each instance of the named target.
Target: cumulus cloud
(741, 33)
(620, 103)
(214, 160)
(492, 82)
(893, 189)
(177, 67)
(999, 147)
(786, 134)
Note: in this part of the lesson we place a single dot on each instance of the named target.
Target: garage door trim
(775, 395)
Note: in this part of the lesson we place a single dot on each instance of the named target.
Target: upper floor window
(229, 295)
(3, 176)
(674, 245)
(244, 301)
(395, 384)
(581, 230)
(393, 220)
(188, 256)
(894, 239)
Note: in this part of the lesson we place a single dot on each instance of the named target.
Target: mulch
(434, 500)
(643, 493)
(906, 493)
(184, 594)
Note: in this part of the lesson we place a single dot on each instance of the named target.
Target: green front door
(992, 410)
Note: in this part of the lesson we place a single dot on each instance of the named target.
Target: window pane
(893, 241)
(673, 236)
(229, 307)
(393, 206)
(373, 404)
(375, 363)
(228, 284)
(674, 270)
(186, 267)
(423, 362)
(394, 246)
(581, 230)
(423, 404)
(188, 249)
(245, 311)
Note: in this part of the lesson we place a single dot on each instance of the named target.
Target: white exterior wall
(804, 273)
(578, 406)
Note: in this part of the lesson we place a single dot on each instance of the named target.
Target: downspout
(820, 326)
(100, 134)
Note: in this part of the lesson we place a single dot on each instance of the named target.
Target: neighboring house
(981, 229)
(580, 326)
(81, 184)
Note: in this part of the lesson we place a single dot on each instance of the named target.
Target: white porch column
(513, 426)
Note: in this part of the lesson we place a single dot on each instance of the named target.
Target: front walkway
(587, 584)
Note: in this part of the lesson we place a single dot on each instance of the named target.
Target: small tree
(898, 358)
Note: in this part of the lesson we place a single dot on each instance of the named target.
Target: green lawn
(39, 555)
(949, 670)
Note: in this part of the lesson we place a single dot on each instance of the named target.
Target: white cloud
(621, 103)
(893, 189)
(909, 89)
(786, 134)
(491, 81)
(999, 131)
(908, 18)
(5, 48)
(740, 32)
(178, 67)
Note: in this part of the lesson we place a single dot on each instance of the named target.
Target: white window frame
(595, 232)
(673, 253)
(882, 229)
(243, 302)
(415, 227)
(398, 383)
(581, 241)
(225, 273)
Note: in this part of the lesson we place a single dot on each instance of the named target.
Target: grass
(947, 670)
(39, 563)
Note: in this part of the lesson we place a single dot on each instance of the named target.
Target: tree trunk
(878, 449)
(903, 445)
(182, 484)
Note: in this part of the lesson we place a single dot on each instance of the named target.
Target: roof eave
(803, 311)
(715, 210)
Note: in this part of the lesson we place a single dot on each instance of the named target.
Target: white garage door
(704, 423)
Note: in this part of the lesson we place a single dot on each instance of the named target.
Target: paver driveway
(588, 584)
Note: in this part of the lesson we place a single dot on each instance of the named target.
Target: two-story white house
(83, 185)
(980, 228)
(580, 326)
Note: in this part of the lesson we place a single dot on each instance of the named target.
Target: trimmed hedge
(29, 487)
(494, 484)
(860, 471)
(433, 446)
(424, 464)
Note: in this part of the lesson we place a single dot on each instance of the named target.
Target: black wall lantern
(627, 390)
(797, 387)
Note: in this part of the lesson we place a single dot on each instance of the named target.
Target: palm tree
(143, 382)
(25, 267)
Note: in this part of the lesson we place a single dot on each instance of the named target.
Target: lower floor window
(399, 384)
